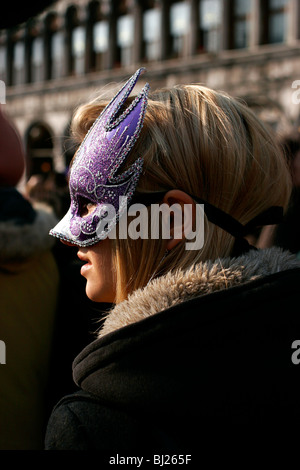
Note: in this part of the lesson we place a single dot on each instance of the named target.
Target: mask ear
(111, 137)
(110, 113)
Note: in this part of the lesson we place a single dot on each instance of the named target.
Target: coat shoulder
(64, 430)
(81, 421)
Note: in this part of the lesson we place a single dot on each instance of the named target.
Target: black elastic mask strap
(270, 216)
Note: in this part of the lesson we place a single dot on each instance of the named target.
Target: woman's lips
(85, 268)
(87, 264)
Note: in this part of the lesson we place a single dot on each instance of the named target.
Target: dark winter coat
(191, 358)
(29, 285)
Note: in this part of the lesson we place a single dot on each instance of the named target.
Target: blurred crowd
(50, 188)
(287, 234)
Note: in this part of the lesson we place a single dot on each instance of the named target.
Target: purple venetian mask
(93, 176)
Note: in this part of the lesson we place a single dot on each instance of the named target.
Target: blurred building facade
(59, 59)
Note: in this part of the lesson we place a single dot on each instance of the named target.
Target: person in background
(51, 189)
(29, 282)
(197, 346)
(287, 233)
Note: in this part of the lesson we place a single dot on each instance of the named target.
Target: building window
(100, 43)
(211, 12)
(78, 50)
(277, 21)
(37, 60)
(152, 33)
(57, 55)
(18, 63)
(180, 20)
(241, 23)
(125, 38)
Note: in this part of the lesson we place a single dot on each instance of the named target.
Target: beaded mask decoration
(93, 178)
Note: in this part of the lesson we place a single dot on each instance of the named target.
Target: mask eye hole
(86, 207)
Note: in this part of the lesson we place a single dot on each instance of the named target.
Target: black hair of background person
(21, 12)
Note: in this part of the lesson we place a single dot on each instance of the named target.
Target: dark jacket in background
(29, 285)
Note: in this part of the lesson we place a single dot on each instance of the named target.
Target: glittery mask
(93, 178)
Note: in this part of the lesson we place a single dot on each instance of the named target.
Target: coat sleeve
(65, 431)
(81, 422)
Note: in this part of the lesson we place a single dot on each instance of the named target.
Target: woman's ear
(181, 216)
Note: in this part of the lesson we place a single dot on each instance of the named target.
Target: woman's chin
(98, 295)
(92, 294)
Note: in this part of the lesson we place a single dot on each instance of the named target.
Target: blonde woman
(199, 336)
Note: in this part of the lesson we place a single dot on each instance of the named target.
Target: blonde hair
(205, 143)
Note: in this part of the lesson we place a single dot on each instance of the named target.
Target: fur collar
(19, 242)
(203, 278)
